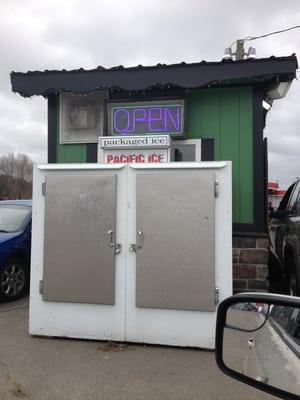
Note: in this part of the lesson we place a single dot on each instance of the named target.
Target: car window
(289, 320)
(297, 205)
(292, 206)
(284, 202)
(13, 217)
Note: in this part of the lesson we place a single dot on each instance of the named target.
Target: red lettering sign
(135, 158)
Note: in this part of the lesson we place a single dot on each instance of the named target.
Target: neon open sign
(151, 117)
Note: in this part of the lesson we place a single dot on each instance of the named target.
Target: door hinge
(132, 248)
(44, 188)
(217, 299)
(41, 286)
(217, 188)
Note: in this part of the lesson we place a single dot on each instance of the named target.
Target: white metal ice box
(136, 252)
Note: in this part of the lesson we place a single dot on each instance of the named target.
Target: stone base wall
(250, 264)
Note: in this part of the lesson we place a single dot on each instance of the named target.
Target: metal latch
(139, 242)
(116, 246)
(217, 299)
(44, 188)
(41, 286)
(217, 188)
(132, 248)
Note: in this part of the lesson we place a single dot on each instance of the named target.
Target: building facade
(222, 106)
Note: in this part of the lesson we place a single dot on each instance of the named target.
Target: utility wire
(272, 33)
(248, 38)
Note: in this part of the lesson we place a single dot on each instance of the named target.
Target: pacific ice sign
(152, 117)
(134, 149)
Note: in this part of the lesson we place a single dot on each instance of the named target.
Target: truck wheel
(14, 280)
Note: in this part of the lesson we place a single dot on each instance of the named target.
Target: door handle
(110, 238)
(112, 243)
(139, 239)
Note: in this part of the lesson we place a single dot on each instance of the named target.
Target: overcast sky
(38, 35)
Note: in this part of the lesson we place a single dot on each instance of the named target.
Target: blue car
(15, 246)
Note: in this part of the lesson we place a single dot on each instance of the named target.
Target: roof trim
(187, 76)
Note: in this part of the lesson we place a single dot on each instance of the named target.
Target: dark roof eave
(187, 76)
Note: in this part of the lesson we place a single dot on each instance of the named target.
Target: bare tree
(5, 187)
(7, 164)
(16, 176)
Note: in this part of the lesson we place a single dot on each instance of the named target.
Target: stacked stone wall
(250, 264)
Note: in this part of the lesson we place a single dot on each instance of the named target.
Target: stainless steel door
(175, 266)
(80, 224)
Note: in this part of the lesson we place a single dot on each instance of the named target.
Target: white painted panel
(178, 327)
(91, 321)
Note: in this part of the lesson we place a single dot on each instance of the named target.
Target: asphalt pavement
(39, 368)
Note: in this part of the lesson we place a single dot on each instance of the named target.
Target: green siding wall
(226, 115)
(69, 153)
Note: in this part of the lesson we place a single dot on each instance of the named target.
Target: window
(81, 117)
(284, 202)
(288, 319)
(292, 207)
(297, 205)
(12, 218)
(187, 150)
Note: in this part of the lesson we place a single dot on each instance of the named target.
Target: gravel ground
(63, 369)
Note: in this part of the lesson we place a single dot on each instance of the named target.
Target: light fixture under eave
(266, 105)
(279, 90)
(227, 54)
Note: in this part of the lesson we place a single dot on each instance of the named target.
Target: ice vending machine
(131, 252)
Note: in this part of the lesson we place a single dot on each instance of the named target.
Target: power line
(248, 38)
(271, 33)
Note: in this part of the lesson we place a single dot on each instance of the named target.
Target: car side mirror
(279, 214)
(258, 342)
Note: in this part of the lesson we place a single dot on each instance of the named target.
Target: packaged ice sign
(148, 117)
(135, 149)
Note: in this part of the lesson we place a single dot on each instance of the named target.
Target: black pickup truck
(285, 241)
